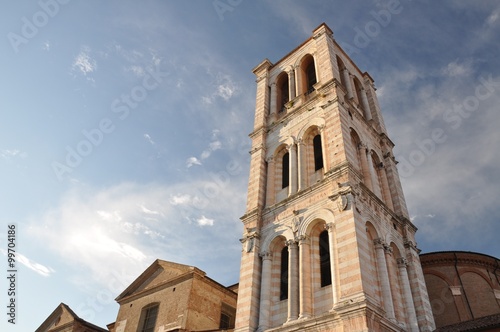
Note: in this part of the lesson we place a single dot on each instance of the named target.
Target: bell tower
(327, 243)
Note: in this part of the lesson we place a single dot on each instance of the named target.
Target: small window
(318, 153)
(227, 316)
(285, 178)
(284, 274)
(324, 256)
(149, 315)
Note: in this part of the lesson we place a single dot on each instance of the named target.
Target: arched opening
(395, 281)
(283, 96)
(372, 279)
(355, 156)
(284, 274)
(285, 173)
(324, 257)
(342, 67)
(318, 153)
(308, 71)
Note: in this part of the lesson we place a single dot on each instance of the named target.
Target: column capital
(303, 239)
(402, 262)
(270, 159)
(266, 255)
(379, 243)
(330, 227)
(291, 243)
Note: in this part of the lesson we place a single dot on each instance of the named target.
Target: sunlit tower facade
(327, 243)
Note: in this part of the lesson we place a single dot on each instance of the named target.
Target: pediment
(61, 316)
(158, 273)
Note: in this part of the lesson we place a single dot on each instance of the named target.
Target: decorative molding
(456, 290)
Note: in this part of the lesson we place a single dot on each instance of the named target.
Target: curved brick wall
(462, 286)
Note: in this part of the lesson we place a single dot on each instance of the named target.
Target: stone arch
(306, 81)
(371, 279)
(282, 92)
(311, 219)
(266, 243)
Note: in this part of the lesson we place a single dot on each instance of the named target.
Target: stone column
(384, 278)
(408, 298)
(347, 79)
(291, 84)
(265, 291)
(293, 281)
(366, 106)
(270, 183)
(305, 290)
(272, 107)
(301, 166)
(293, 170)
(333, 261)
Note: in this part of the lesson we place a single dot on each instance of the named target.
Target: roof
(50, 321)
(479, 324)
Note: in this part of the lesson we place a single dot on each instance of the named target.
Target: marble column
(408, 298)
(265, 291)
(305, 284)
(293, 281)
(333, 260)
(384, 278)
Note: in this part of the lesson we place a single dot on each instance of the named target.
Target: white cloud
(204, 221)
(224, 88)
(11, 153)
(127, 224)
(180, 199)
(455, 69)
(42, 270)
(46, 46)
(192, 161)
(149, 139)
(493, 18)
(83, 62)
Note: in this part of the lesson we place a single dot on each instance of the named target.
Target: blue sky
(124, 131)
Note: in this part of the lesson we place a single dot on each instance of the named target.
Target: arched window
(284, 274)
(285, 174)
(311, 76)
(308, 75)
(318, 153)
(148, 318)
(284, 93)
(341, 67)
(324, 256)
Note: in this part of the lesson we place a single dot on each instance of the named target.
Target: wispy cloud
(8, 154)
(83, 62)
(149, 139)
(128, 224)
(40, 269)
(204, 221)
(191, 161)
(224, 88)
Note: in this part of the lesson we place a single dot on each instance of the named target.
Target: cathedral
(327, 241)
